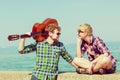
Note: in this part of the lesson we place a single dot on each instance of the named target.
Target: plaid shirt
(98, 47)
(47, 58)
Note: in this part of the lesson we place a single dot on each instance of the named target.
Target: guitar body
(38, 31)
(40, 27)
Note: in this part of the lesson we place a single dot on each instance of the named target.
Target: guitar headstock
(13, 37)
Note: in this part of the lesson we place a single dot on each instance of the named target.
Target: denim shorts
(112, 70)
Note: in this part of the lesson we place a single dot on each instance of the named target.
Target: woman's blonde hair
(86, 28)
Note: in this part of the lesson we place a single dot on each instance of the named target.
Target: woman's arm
(102, 48)
(78, 51)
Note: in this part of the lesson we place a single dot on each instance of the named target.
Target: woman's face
(81, 33)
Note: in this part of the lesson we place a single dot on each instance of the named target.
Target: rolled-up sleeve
(28, 49)
(65, 55)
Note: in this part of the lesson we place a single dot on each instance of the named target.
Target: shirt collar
(45, 41)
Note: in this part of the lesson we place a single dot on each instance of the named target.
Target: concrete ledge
(15, 75)
(75, 76)
(26, 75)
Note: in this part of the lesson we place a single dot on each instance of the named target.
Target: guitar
(38, 31)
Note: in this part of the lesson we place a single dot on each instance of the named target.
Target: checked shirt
(98, 47)
(47, 58)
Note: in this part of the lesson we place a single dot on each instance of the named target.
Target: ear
(50, 33)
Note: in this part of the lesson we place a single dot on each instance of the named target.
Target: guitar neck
(16, 37)
(24, 36)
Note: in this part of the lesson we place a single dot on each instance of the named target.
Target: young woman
(97, 51)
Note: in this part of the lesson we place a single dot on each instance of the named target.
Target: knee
(75, 59)
(106, 60)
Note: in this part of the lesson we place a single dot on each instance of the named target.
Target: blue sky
(18, 17)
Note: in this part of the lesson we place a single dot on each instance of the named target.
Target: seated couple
(49, 51)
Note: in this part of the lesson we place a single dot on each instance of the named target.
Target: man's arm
(21, 44)
(73, 64)
(26, 49)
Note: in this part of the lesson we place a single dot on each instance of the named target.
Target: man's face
(55, 35)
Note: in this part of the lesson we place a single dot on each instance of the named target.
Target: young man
(98, 54)
(47, 54)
